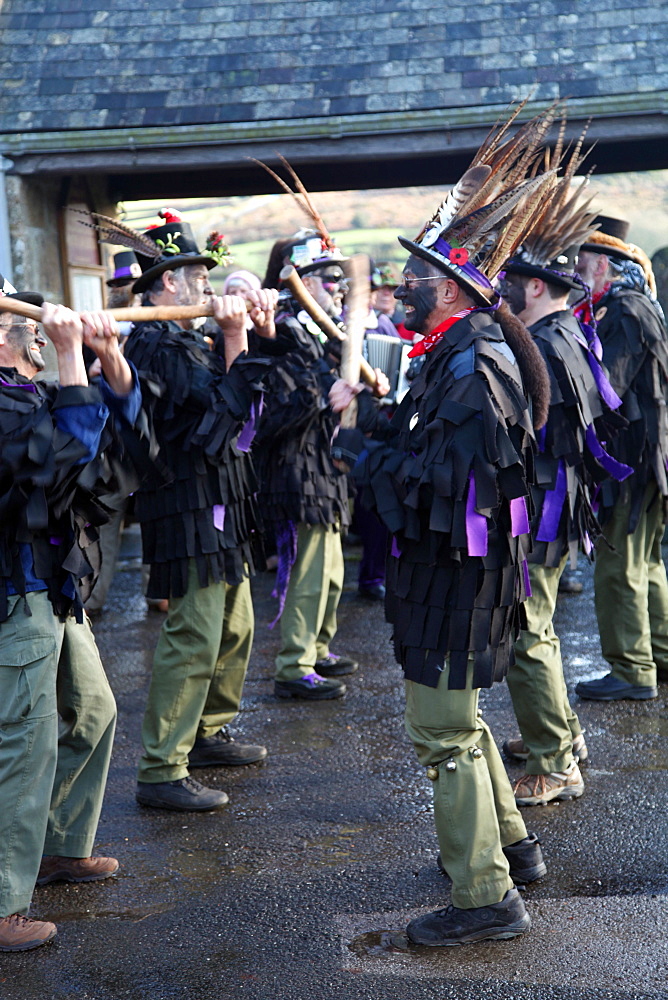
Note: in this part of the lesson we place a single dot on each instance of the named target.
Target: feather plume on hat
(563, 222)
(302, 197)
(113, 231)
(493, 206)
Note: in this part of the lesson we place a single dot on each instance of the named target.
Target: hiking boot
(19, 933)
(451, 926)
(335, 666)
(611, 688)
(222, 749)
(312, 687)
(525, 860)
(56, 869)
(183, 795)
(539, 789)
(518, 750)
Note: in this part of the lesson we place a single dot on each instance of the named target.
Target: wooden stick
(357, 310)
(291, 280)
(134, 314)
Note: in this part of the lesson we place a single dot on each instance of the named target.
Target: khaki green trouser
(474, 806)
(199, 668)
(632, 594)
(536, 681)
(52, 771)
(308, 622)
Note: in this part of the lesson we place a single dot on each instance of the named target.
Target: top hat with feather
(490, 210)
(163, 247)
(314, 248)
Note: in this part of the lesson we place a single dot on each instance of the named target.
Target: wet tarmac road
(301, 887)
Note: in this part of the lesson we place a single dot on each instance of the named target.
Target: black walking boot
(451, 926)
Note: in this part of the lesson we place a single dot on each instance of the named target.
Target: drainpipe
(6, 268)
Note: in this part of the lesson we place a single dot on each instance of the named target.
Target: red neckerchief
(436, 336)
(586, 314)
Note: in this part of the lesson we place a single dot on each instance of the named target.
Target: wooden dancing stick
(133, 314)
(357, 310)
(291, 280)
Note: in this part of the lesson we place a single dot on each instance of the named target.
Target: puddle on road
(381, 943)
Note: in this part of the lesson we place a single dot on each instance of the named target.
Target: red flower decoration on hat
(459, 255)
(170, 215)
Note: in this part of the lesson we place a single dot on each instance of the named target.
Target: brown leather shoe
(56, 869)
(19, 933)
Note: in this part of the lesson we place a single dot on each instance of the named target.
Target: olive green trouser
(199, 668)
(536, 681)
(632, 594)
(474, 806)
(52, 772)
(308, 622)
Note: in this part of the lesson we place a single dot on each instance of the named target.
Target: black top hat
(610, 238)
(32, 298)
(126, 269)
(176, 247)
(557, 272)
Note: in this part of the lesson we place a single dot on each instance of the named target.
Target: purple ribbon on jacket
(395, 551)
(606, 392)
(249, 429)
(476, 524)
(553, 504)
(286, 549)
(219, 516)
(527, 579)
(519, 517)
(19, 385)
(617, 470)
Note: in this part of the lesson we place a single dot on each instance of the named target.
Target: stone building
(133, 99)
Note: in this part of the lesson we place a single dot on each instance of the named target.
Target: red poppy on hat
(459, 255)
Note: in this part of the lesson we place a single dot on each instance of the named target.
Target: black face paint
(513, 291)
(419, 298)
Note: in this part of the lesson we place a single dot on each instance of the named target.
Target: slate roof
(73, 64)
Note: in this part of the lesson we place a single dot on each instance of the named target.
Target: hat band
(125, 272)
(442, 249)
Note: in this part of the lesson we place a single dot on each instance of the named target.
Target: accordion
(390, 354)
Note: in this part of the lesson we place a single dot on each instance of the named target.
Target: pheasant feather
(112, 231)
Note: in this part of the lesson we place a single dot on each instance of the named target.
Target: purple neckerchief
(286, 549)
(395, 551)
(19, 385)
(527, 579)
(519, 517)
(617, 470)
(553, 504)
(444, 249)
(476, 524)
(249, 429)
(606, 392)
(219, 516)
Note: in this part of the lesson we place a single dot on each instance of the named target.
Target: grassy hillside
(370, 220)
